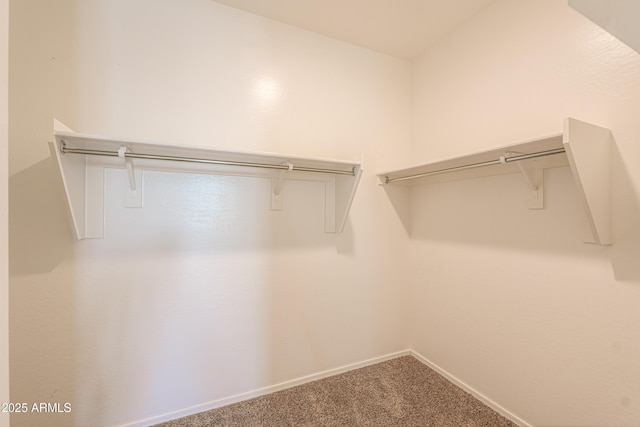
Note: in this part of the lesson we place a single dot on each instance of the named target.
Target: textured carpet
(398, 392)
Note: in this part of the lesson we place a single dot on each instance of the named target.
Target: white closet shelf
(82, 158)
(584, 147)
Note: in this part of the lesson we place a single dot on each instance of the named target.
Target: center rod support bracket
(533, 175)
(276, 187)
(132, 196)
(122, 153)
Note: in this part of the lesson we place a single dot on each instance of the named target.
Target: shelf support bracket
(276, 187)
(533, 175)
(132, 196)
(129, 165)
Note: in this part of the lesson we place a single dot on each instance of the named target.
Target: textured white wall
(4, 209)
(204, 293)
(618, 17)
(509, 300)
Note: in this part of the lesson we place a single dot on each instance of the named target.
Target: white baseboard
(262, 391)
(475, 393)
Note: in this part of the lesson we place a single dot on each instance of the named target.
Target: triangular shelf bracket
(588, 149)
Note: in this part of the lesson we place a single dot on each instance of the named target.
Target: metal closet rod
(128, 154)
(478, 165)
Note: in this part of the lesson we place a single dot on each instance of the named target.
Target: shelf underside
(82, 159)
(584, 147)
(545, 144)
(91, 142)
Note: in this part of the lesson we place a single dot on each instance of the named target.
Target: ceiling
(401, 28)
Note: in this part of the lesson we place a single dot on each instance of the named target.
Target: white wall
(506, 299)
(205, 293)
(618, 17)
(4, 209)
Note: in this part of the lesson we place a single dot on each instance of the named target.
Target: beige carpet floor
(398, 392)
